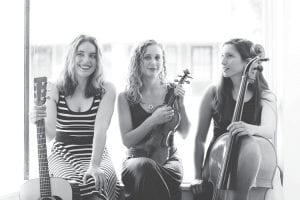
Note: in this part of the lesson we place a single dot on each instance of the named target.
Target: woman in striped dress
(79, 110)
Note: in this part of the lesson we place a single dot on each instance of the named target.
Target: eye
(158, 57)
(93, 56)
(80, 54)
(147, 57)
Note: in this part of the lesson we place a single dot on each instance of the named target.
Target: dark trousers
(144, 179)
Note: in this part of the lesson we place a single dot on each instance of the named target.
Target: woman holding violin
(149, 172)
(257, 120)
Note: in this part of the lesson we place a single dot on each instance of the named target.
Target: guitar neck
(45, 187)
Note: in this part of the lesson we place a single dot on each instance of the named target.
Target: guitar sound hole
(51, 198)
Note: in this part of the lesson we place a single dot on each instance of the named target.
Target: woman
(78, 113)
(141, 109)
(259, 115)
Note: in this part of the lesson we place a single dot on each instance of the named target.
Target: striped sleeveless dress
(72, 149)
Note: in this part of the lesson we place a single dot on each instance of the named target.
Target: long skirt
(71, 161)
(144, 179)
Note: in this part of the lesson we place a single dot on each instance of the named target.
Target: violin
(224, 180)
(160, 145)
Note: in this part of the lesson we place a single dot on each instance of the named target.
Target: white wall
(11, 101)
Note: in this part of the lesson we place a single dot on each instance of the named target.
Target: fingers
(179, 91)
(85, 177)
(169, 114)
(237, 127)
(99, 178)
(98, 182)
(38, 113)
(103, 182)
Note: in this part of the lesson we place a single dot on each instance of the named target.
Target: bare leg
(246, 168)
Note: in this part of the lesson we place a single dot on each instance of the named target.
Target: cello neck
(238, 110)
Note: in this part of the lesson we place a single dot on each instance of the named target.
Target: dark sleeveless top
(139, 114)
(220, 125)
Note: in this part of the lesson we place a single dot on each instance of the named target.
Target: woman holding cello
(240, 155)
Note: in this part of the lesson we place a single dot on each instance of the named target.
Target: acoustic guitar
(45, 187)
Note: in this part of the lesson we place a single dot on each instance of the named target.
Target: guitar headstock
(254, 64)
(184, 78)
(40, 90)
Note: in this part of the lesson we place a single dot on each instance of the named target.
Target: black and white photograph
(150, 100)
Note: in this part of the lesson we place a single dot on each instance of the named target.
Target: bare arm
(102, 121)
(51, 110)
(205, 116)
(132, 136)
(184, 125)
(268, 125)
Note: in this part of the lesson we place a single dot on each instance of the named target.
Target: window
(201, 63)
(50, 35)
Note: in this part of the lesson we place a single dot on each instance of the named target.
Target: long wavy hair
(225, 87)
(135, 83)
(67, 81)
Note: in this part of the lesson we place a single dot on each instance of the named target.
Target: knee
(139, 167)
(249, 149)
(145, 167)
(249, 158)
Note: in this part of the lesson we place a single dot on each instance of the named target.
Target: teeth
(85, 67)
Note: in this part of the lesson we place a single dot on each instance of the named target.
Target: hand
(98, 175)
(38, 113)
(240, 128)
(179, 92)
(197, 186)
(162, 114)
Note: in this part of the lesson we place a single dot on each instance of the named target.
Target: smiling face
(232, 62)
(152, 61)
(85, 59)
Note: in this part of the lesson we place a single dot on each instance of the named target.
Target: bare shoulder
(109, 87)
(210, 91)
(268, 95)
(122, 97)
(268, 100)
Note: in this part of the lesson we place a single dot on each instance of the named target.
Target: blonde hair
(135, 83)
(67, 81)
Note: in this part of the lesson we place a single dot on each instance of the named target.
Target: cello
(224, 184)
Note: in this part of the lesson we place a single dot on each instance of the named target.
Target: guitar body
(60, 189)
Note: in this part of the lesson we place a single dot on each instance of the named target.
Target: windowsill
(11, 196)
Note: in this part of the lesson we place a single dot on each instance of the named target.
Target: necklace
(158, 98)
(149, 107)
